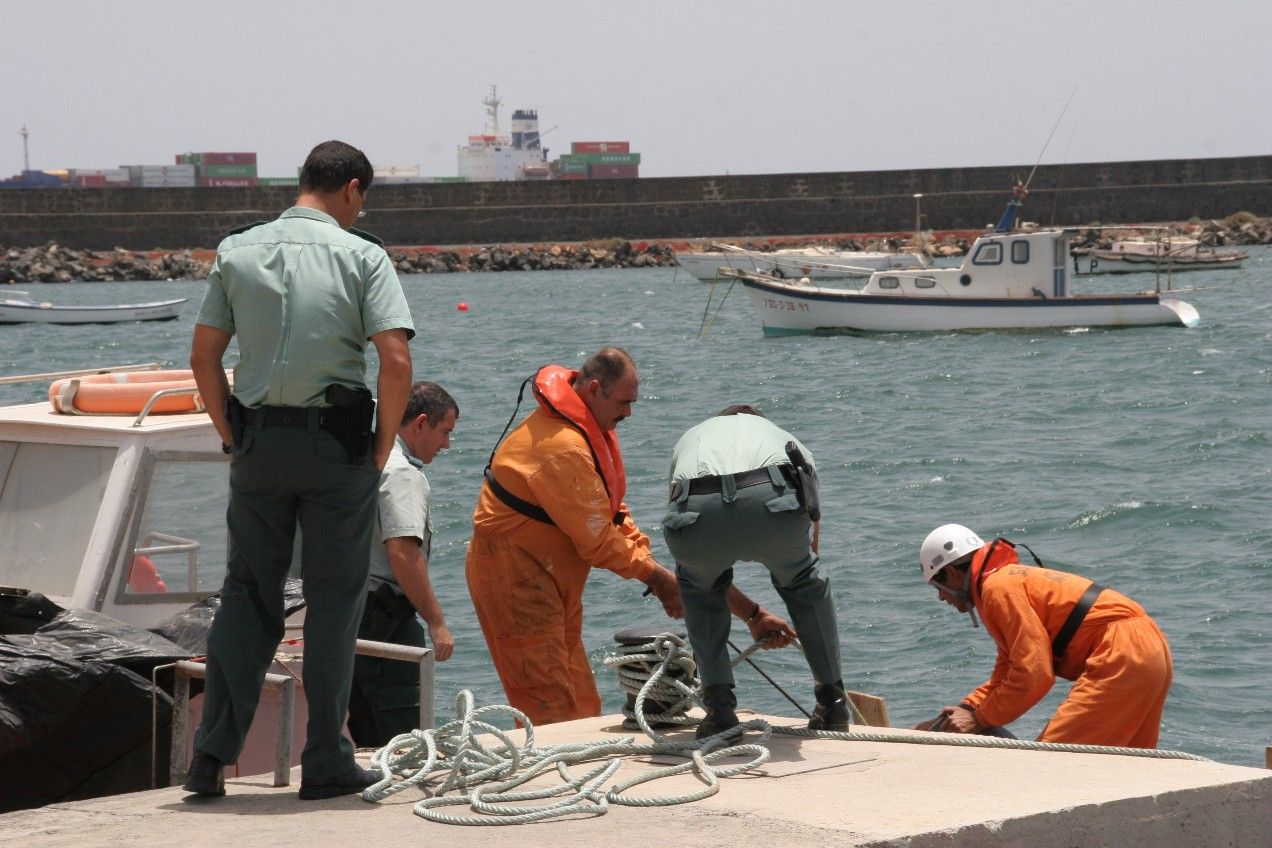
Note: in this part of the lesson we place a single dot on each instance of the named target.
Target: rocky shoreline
(52, 263)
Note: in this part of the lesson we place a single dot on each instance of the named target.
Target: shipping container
(602, 158)
(601, 147)
(111, 175)
(277, 181)
(229, 158)
(397, 171)
(451, 179)
(227, 171)
(573, 167)
(89, 181)
(613, 172)
(228, 182)
(573, 176)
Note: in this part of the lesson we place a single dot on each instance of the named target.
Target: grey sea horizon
(1139, 458)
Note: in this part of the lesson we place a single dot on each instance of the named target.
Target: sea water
(1140, 458)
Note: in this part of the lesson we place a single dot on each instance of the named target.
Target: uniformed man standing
(386, 693)
(303, 294)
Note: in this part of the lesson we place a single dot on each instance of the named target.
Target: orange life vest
(554, 390)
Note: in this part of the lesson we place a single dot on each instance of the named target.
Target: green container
(450, 179)
(221, 172)
(601, 158)
(278, 181)
(189, 158)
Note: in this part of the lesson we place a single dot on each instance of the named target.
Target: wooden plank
(874, 709)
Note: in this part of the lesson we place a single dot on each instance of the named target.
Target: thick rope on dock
(485, 769)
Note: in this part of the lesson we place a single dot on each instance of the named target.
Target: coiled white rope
(487, 778)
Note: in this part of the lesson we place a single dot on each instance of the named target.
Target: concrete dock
(811, 792)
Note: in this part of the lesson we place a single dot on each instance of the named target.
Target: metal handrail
(81, 372)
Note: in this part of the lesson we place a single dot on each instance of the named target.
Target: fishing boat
(1009, 279)
(813, 263)
(114, 546)
(18, 307)
(1168, 253)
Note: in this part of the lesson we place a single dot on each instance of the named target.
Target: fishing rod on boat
(1029, 181)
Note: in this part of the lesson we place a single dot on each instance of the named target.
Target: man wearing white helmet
(1050, 624)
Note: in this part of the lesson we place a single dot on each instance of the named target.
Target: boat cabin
(1019, 265)
(102, 513)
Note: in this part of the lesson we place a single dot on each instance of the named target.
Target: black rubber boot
(719, 701)
(831, 712)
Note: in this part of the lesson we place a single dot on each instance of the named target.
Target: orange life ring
(143, 576)
(124, 393)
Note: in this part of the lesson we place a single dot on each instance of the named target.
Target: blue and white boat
(1008, 280)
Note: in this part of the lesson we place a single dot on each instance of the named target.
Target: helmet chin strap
(965, 595)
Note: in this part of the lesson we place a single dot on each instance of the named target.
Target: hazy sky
(697, 86)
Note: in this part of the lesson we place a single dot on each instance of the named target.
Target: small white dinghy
(816, 263)
(1164, 255)
(1009, 280)
(18, 307)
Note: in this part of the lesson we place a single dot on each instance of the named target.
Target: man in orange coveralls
(551, 509)
(1050, 624)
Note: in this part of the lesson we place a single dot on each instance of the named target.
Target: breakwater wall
(661, 208)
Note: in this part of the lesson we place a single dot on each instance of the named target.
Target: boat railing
(187, 669)
(160, 395)
(81, 372)
(175, 545)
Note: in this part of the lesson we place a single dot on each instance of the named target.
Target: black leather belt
(713, 484)
(284, 416)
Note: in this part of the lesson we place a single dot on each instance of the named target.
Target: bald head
(609, 385)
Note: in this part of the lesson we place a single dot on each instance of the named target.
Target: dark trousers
(282, 478)
(385, 701)
(708, 533)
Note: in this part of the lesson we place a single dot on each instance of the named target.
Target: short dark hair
(429, 399)
(331, 165)
(608, 365)
(741, 409)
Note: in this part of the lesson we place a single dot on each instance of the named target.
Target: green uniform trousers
(386, 693)
(281, 478)
(708, 533)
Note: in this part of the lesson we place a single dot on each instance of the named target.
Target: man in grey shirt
(737, 496)
(386, 693)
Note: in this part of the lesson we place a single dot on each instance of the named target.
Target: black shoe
(718, 700)
(206, 776)
(831, 712)
(348, 783)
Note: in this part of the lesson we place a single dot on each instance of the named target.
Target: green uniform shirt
(402, 511)
(729, 444)
(303, 296)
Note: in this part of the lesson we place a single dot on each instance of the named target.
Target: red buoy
(463, 307)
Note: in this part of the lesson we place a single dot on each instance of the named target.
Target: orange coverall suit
(1118, 657)
(526, 578)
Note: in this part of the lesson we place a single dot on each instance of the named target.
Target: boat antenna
(1055, 194)
(1021, 190)
(1053, 132)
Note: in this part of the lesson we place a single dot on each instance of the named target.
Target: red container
(613, 172)
(572, 175)
(229, 158)
(601, 147)
(90, 181)
(228, 182)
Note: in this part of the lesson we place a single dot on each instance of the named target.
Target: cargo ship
(493, 156)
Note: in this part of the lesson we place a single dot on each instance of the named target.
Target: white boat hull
(787, 309)
(17, 312)
(819, 266)
(1103, 264)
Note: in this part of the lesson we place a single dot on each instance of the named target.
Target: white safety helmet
(944, 545)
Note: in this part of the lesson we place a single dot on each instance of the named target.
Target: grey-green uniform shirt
(402, 512)
(730, 444)
(303, 296)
